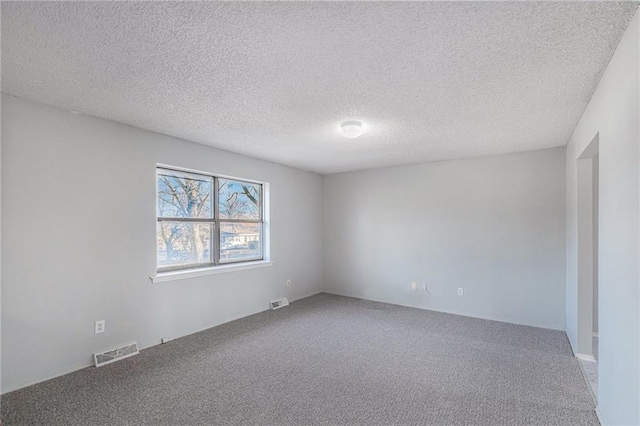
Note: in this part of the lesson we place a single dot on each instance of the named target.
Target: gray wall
(78, 225)
(586, 242)
(493, 226)
(612, 114)
(595, 182)
(0, 246)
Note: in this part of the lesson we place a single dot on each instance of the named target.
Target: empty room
(320, 213)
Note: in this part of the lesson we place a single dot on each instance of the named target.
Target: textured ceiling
(431, 81)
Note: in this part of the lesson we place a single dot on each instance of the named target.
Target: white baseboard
(586, 379)
(585, 357)
(248, 314)
(433, 309)
(89, 363)
(600, 417)
(296, 298)
(62, 372)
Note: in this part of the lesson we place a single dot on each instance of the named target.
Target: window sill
(221, 269)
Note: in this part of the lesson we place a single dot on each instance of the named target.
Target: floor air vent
(280, 303)
(116, 354)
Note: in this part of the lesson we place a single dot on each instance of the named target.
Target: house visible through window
(205, 220)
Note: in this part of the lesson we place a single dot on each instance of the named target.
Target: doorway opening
(588, 288)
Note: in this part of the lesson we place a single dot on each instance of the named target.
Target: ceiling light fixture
(351, 129)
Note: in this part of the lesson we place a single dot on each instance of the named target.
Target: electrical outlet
(414, 285)
(100, 326)
(424, 287)
(288, 283)
(460, 292)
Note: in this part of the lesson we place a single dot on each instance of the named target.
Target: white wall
(78, 225)
(493, 226)
(613, 114)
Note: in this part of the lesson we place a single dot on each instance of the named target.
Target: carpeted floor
(327, 360)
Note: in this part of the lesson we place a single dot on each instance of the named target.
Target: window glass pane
(183, 243)
(239, 200)
(240, 241)
(184, 195)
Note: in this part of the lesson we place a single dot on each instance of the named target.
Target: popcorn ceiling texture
(432, 81)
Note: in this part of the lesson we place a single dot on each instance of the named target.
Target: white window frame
(215, 266)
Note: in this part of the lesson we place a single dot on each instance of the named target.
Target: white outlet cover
(100, 326)
(460, 292)
(414, 285)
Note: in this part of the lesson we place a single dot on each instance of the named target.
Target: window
(205, 220)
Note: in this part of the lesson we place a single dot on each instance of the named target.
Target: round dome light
(351, 129)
